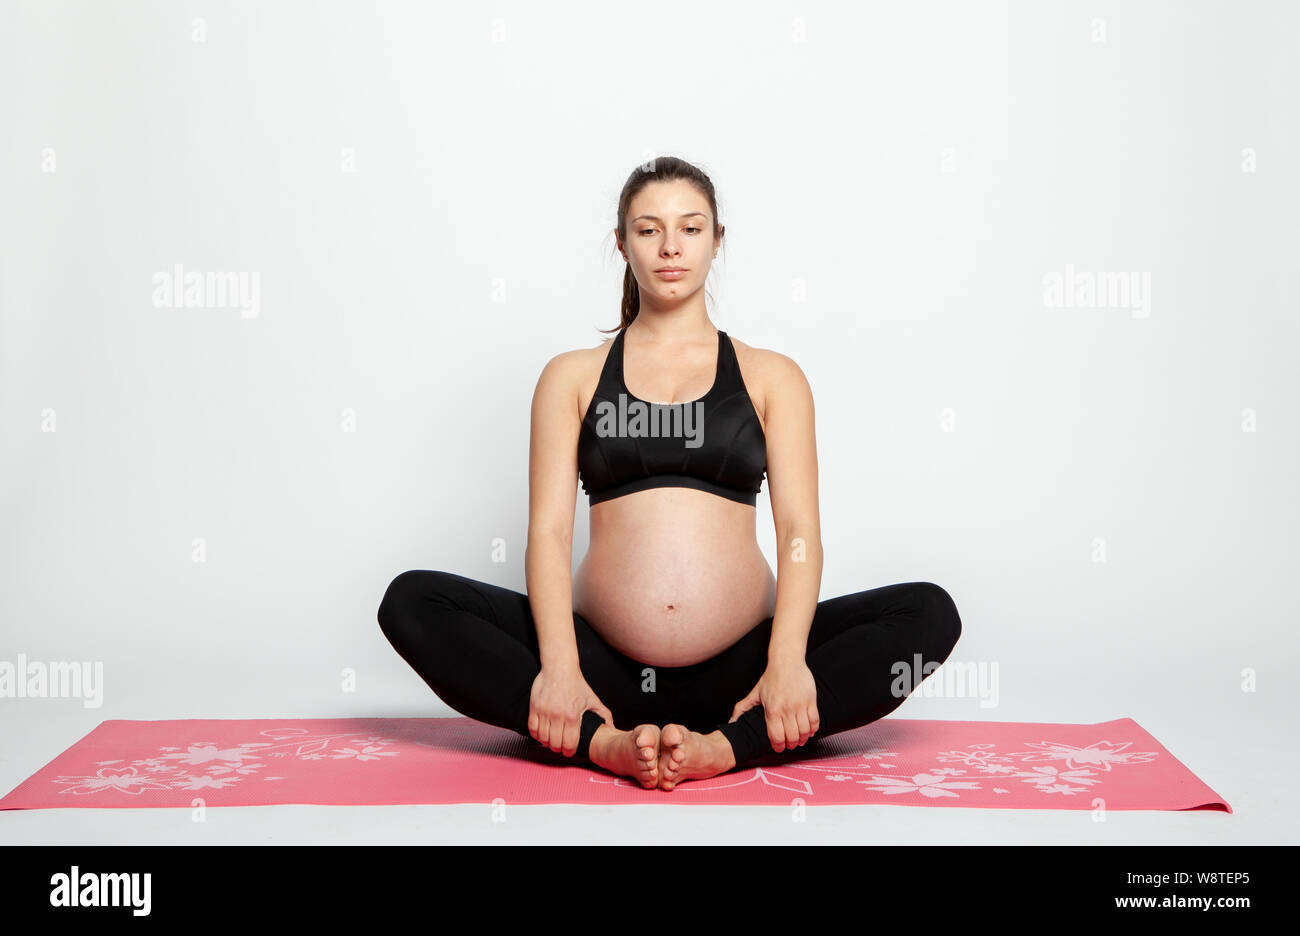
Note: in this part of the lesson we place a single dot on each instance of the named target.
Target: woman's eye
(646, 230)
(694, 229)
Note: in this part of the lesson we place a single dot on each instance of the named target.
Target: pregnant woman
(672, 653)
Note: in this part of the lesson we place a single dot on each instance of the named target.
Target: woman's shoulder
(769, 368)
(578, 367)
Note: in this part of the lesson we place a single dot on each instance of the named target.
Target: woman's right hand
(555, 707)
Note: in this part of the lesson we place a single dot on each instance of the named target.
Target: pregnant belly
(673, 576)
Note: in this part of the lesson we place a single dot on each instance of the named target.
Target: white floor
(1246, 758)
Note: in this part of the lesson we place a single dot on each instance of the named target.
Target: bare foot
(632, 753)
(689, 755)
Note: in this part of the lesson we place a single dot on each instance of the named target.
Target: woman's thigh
(916, 615)
(907, 618)
(416, 599)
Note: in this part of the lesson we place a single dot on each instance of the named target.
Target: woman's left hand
(788, 694)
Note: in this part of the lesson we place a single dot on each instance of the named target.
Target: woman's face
(669, 225)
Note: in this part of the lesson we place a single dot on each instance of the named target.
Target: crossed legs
(475, 645)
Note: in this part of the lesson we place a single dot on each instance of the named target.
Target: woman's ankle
(723, 743)
(596, 747)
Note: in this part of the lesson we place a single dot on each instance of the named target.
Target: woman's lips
(670, 274)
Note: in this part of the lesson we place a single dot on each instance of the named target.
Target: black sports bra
(715, 443)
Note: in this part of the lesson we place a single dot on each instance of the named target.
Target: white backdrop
(211, 499)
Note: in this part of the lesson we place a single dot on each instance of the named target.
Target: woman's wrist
(561, 660)
(784, 654)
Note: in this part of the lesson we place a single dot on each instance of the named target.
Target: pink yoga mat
(378, 761)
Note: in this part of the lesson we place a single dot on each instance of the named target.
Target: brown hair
(659, 169)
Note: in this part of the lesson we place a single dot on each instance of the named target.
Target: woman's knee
(942, 619)
(403, 595)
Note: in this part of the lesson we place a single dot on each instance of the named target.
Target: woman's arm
(792, 486)
(787, 690)
(552, 492)
(560, 694)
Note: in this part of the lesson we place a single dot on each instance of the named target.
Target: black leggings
(476, 646)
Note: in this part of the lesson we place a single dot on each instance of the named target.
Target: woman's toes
(671, 754)
(647, 742)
